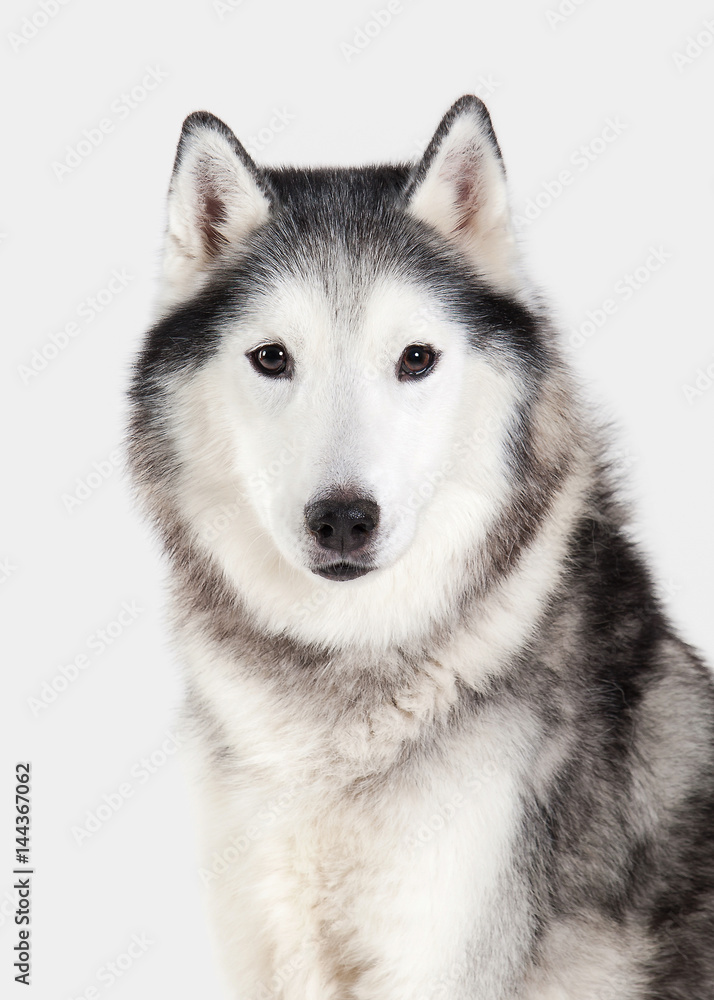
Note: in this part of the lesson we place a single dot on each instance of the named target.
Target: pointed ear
(459, 189)
(217, 198)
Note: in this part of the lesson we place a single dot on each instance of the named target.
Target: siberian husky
(448, 743)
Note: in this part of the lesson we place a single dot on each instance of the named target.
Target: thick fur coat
(449, 745)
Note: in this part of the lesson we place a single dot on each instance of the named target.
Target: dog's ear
(217, 198)
(459, 189)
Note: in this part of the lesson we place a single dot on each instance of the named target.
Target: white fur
(590, 960)
(464, 197)
(324, 886)
(209, 167)
(327, 884)
(267, 447)
(333, 882)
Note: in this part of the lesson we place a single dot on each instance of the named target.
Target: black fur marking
(357, 211)
(590, 854)
(615, 824)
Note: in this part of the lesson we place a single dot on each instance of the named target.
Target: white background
(551, 87)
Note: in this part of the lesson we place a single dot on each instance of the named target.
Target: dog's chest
(345, 840)
(380, 889)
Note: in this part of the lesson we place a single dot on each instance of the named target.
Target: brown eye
(271, 359)
(417, 360)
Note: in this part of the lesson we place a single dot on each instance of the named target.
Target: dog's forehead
(350, 310)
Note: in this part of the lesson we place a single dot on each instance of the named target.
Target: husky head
(334, 403)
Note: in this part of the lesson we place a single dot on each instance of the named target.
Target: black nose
(343, 521)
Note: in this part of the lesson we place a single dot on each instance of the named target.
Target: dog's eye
(417, 359)
(271, 359)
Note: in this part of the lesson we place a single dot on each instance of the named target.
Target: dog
(447, 743)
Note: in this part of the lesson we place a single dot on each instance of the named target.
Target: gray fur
(600, 718)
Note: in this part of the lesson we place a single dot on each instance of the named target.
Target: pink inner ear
(465, 191)
(461, 168)
(462, 171)
(213, 215)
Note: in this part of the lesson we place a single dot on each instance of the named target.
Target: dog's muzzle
(343, 523)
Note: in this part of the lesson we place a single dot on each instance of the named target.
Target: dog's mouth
(342, 571)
